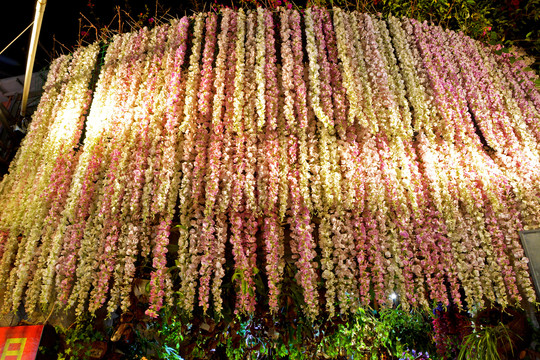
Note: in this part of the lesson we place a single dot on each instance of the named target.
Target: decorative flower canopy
(374, 156)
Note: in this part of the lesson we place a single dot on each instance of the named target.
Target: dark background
(505, 22)
(60, 20)
(60, 30)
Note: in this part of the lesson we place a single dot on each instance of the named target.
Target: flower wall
(375, 156)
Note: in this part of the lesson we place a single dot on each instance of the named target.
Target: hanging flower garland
(269, 161)
(395, 157)
(215, 229)
(205, 92)
(429, 225)
(55, 171)
(14, 192)
(249, 158)
(188, 243)
(243, 227)
(82, 188)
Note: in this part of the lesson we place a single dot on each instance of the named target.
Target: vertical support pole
(40, 9)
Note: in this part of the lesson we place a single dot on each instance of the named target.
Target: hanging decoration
(373, 156)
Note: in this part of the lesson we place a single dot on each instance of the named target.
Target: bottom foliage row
(391, 333)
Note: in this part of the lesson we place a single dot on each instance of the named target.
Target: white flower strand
(355, 113)
(259, 69)
(322, 117)
(358, 61)
(188, 257)
(396, 82)
(214, 161)
(238, 102)
(286, 119)
(314, 67)
(301, 107)
(410, 70)
(250, 113)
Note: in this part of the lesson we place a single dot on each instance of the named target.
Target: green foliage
(373, 335)
(484, 344)
(412, 328)
(368, 334)
(363, 336)
(78, 338)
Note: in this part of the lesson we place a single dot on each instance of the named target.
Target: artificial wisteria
(385, 156)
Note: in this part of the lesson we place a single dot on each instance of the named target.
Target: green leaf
(238, 274)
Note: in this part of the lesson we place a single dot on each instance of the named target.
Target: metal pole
(40, 9)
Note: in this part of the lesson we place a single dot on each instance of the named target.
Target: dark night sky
(61, 20)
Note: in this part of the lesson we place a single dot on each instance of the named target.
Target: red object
(20, 342)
